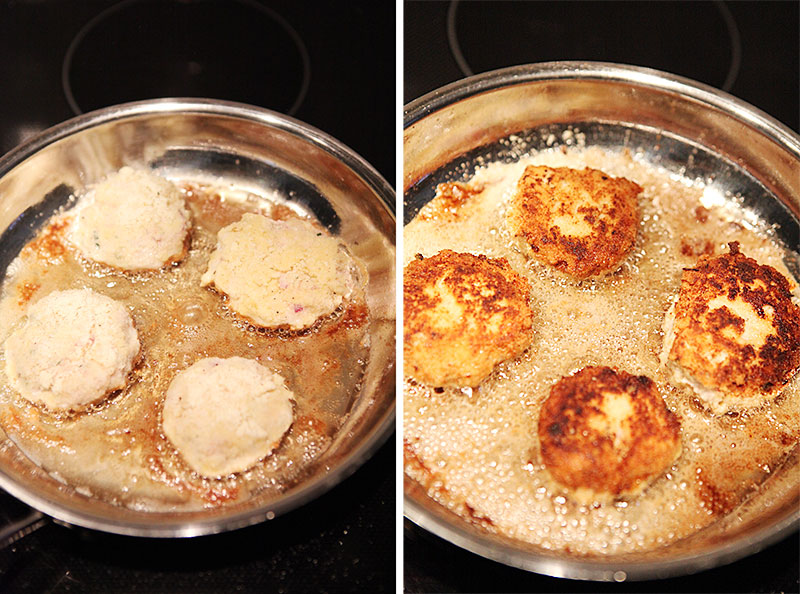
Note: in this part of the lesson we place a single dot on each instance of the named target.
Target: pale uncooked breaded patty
(133, 220)
(605, 433)
(581, 222)
(462, 315)
(734, 333)
(280, 273)
(224, 415)
(73, 348)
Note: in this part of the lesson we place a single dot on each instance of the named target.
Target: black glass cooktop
(329, 64)
(749, 49)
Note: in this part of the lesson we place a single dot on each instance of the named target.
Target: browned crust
(348, 315)
(493, 321)
(705, 340)
(176, 258)
(578, 455)
(450, 200)
(590, 198)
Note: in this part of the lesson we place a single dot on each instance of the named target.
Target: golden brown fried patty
(580, 222)
(605, 433)
(736, 332)
(463, 314)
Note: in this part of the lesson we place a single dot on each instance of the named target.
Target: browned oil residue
(701, 214)
(312, 423)
(26, 291)
(716, 501)
(411, 459)
(49, 245)
(452, 197)
(696, 247)
(211, 207)
(352, 319)
(476, 517)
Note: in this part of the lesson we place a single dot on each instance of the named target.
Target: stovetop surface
(746, 48)
(342, 542)
(435, 565)
(749, 49)
(328, 64)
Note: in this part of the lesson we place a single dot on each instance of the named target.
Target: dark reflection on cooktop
(237, 50)
(488, 35)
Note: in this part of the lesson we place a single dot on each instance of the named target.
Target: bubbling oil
(117, 450)
(476, 451)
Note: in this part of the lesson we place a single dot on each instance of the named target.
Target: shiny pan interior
(252, 149)
(671, 122)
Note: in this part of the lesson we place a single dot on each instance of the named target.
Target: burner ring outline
(66, 64)
(725, 13)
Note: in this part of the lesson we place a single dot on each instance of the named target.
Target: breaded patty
(582, 223)
(462, 315)
(606, 433)
(133, 220)
(224, 415)
(734, 333)
(73, 348)
(280, 273)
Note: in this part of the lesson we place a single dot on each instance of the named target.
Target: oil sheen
(117, 450)
(476, 450)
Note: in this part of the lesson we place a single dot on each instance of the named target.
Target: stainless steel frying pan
(235, 144)
(683, 126)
